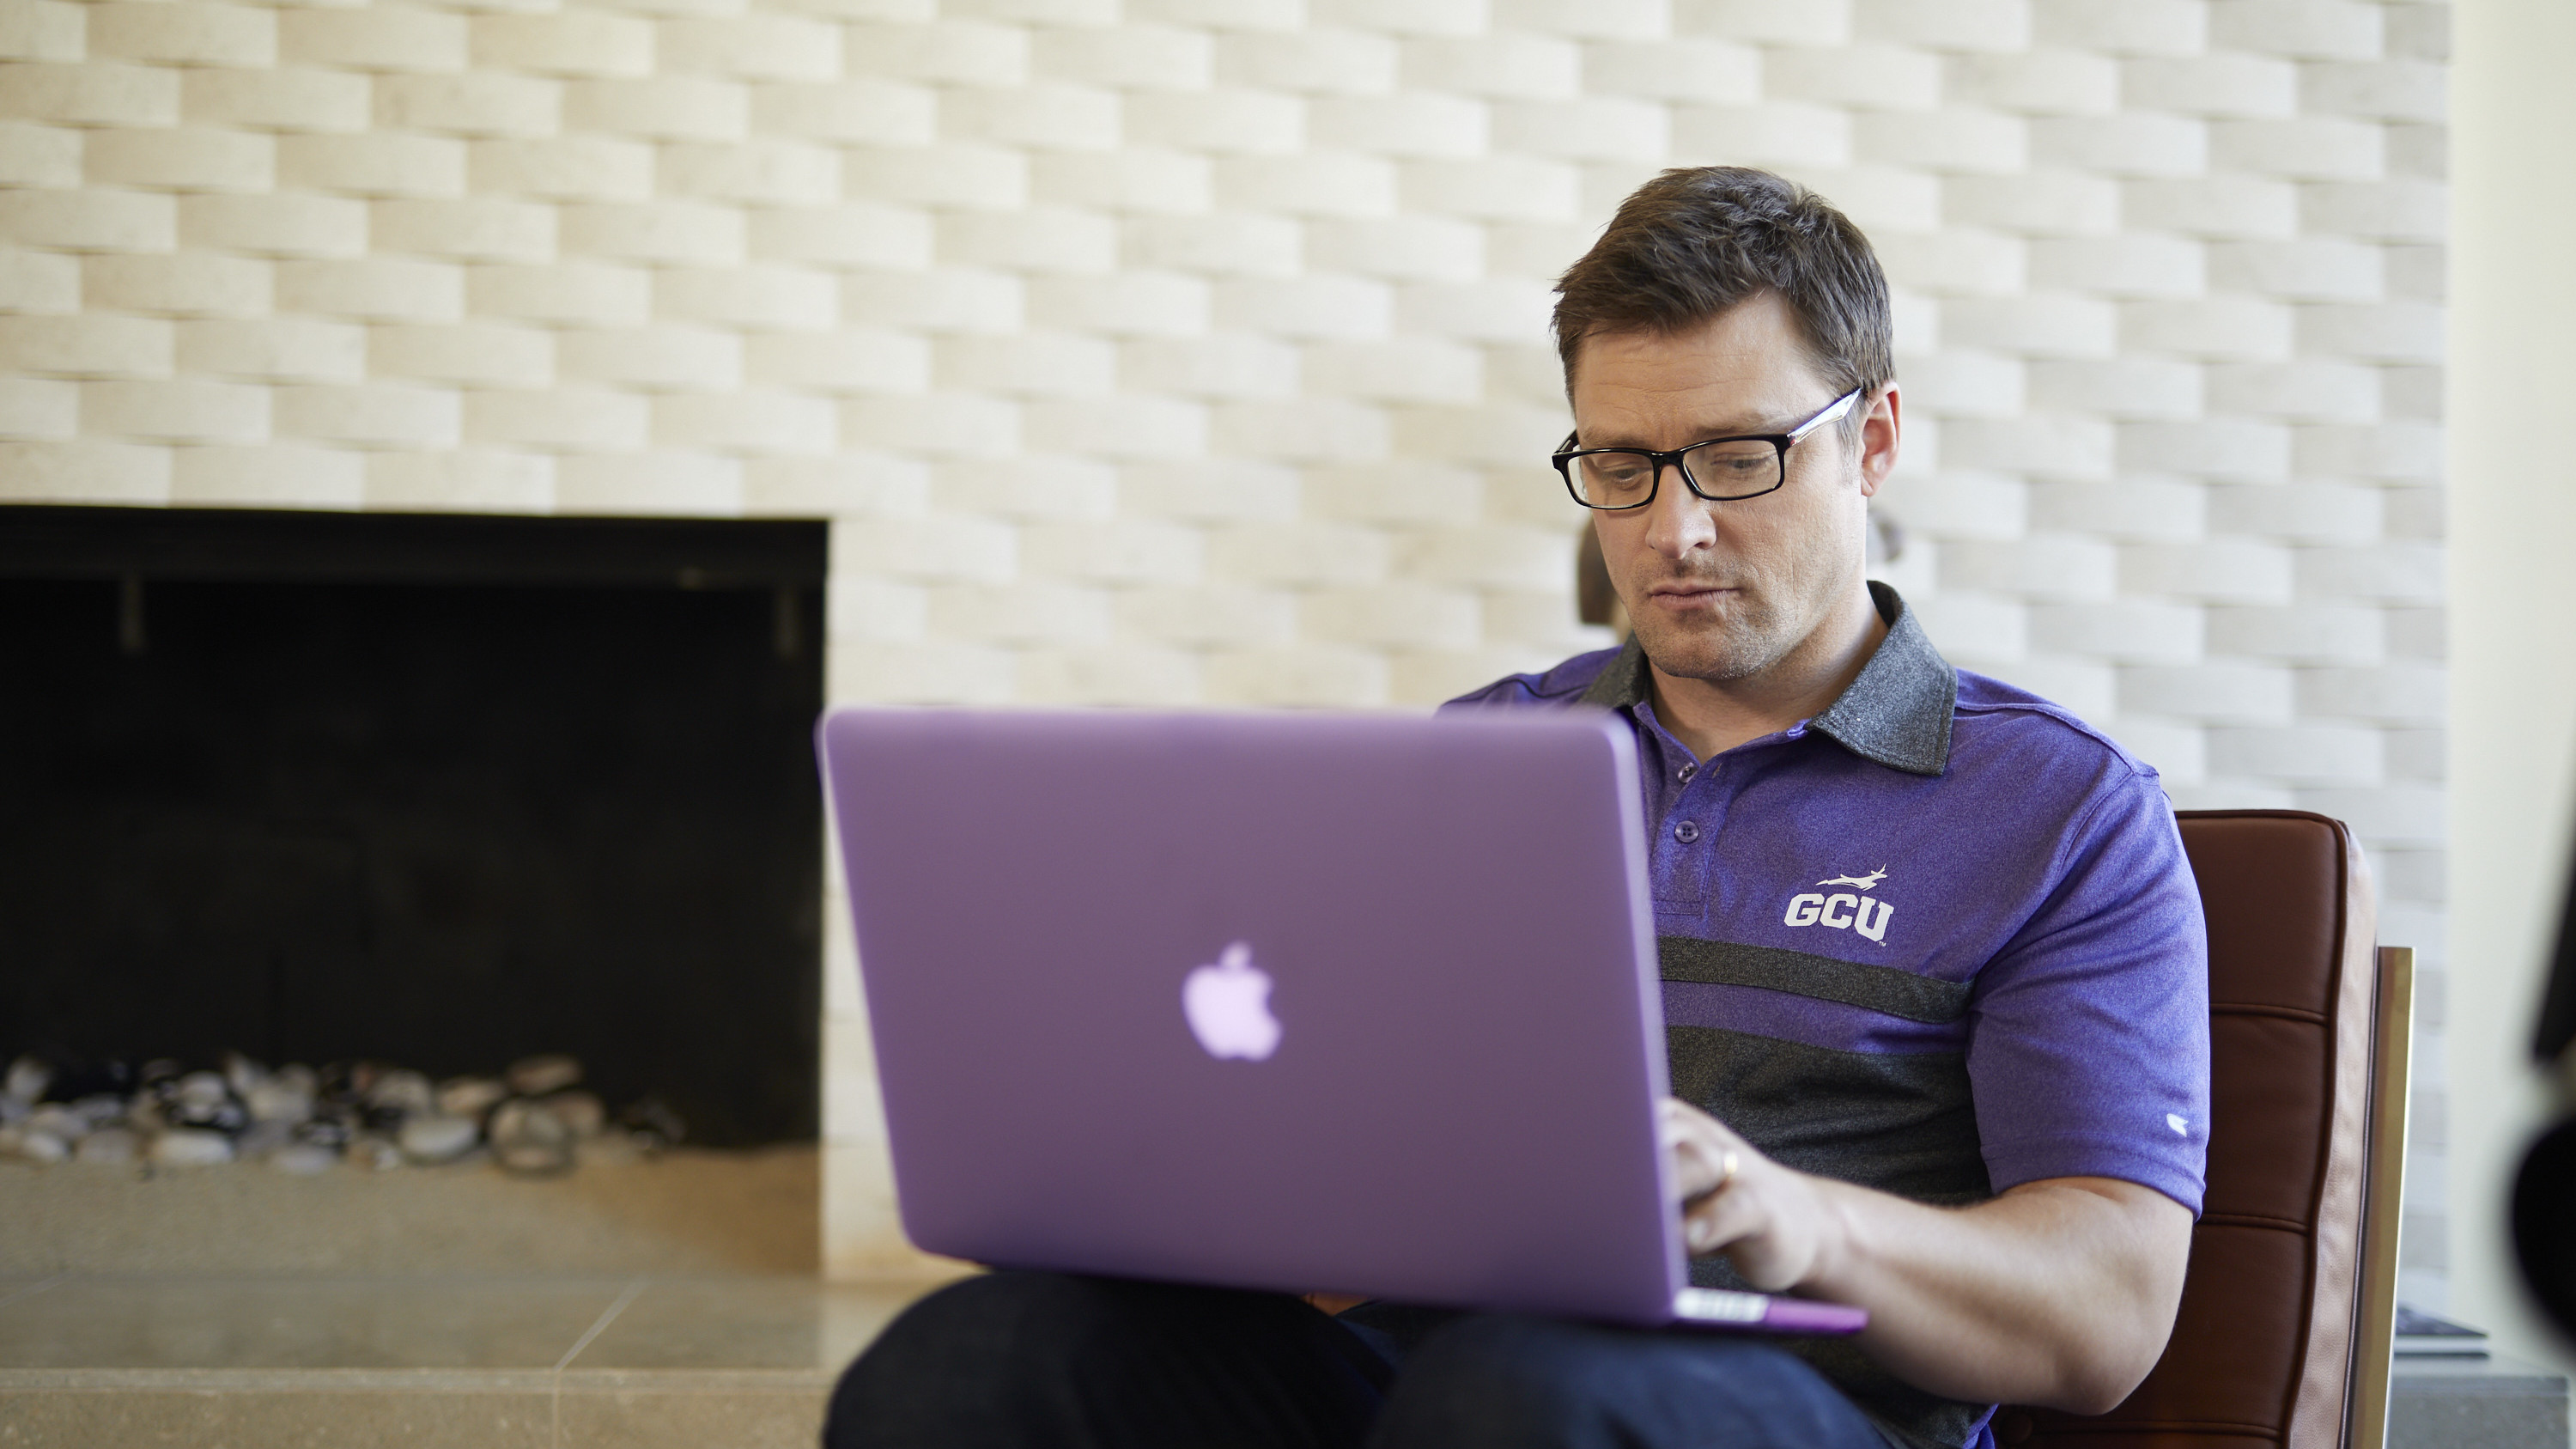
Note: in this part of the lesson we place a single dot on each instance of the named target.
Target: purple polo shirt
(1940, 939)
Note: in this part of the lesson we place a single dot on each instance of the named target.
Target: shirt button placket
(1687, 832)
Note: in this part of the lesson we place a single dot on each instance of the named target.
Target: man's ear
(1880, 430)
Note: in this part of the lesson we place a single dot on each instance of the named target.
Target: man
(1933, 963)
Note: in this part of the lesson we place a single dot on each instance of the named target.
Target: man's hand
(2060, 1292)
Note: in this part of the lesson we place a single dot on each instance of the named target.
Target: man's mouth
(1683, 592)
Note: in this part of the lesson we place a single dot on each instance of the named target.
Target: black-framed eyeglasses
(1721, 470)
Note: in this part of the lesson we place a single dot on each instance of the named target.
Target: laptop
(1314, 1002)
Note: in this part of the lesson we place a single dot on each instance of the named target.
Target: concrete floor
(428, 1362)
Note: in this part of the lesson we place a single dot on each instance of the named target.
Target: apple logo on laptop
(1228, 1006)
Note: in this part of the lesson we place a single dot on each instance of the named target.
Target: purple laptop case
(1454, 919)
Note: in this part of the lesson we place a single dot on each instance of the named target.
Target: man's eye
(1619, 472)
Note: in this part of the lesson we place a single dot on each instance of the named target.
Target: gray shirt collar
(1896, 712)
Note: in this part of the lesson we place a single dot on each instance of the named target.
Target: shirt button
(1686, 832)
(1687, 772)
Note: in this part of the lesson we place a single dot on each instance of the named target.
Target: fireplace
(436, 790)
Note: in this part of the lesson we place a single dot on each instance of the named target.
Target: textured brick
(1586, 19)
(2302, 391)
(2119, 387)
(1956, 383)
(1046, 117)
(2124, 266)
(84, 470)
(752, 47)
(2300, 754)
(1520, 188)
(1319, 62)
(1991, 25)
(1507, 65)
(1259, 15)
(695, 233)
(1677, 69)
(2380, 90)
(1314, 305)
(268, 475)
(2229, 449)
(2054, 445)
(1119, 427)
(480, 353)
(745, 422)
(2385, 332)
(2039, 82)
(2042, 567)
(2215, 692)
(760, 296)
(2135, 508)
(660, 108)
(99, 94)
(567, 168)
(955, 175)
(1959, 504)
(1225, 365)
(2306, 633)
(1490, 555)
(1875, 77)
(1030, 364)
(1600, 127)
(572, 292)
(2329, 513)
(557, 417)
(586, 43)
(1230, 244)
(33, 155)
(861, 235)
(1136, 57)
(948, 300)
(1304, 674)
(1130, 303)
(89, 220)
(965, 52)
(2395, 573)
(474, 230)
(2046, 203)
(477, 104)
(2405, 211)
(1022, 613)
(1219, 121)
(1035, 240)
(1506, 312)
(2400, 452)
(664, 356)
(2218, 570)
(183, 33)
(2310, 269)
(1410, 247)
(2128, 631)
(381, 37)
(876, 113)
(2231, 328)
(1403, 17)
(471, 481)
(2130, 144)
(184, 410)
(1407, 370)
(2036, 324)
(1136, 551)
(1314, 183)
(37, 408)
(1220, 615)
(374, 289)
(1400, 125)
(1821, 22)
(42, 30)
(389, 415)
(278, 100)
(1953, 139)
(275, 350)
(2392, 693)
(377, 163)
(37, 281)
(2229, 207)
(179, 284)
(2308, 29)
(85, 346)
(659, 482)
(1029, 487)
(1129, 179)
(1301, 430)
(2312, 148)
(1777, 133)
(842, 361)
(2227, 83)
(771, 172)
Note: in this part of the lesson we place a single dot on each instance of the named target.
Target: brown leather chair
(2282, 1339)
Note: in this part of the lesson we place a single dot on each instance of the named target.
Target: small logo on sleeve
(2179, 1123)
(1863, 914)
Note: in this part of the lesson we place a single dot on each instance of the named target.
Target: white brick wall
(1191, 351)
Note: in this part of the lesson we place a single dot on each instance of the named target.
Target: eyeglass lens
(1734, 468)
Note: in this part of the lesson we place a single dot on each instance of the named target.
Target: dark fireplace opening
(438, 791)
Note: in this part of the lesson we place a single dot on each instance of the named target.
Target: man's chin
(1712, 649)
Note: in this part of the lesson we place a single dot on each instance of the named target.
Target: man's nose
(1678, 520)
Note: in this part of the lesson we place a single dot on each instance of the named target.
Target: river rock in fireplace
(532, 1119)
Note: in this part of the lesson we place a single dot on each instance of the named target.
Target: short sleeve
(2088, 1047)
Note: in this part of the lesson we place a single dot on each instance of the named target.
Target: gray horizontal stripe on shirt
(1882, 989)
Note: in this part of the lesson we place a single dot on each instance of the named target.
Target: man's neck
(1712, 716)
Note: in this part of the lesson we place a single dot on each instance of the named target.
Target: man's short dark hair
(1694, 242)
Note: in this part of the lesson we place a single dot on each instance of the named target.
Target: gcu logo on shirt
(1864, 914)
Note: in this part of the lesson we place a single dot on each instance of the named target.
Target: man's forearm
(2059, 1293)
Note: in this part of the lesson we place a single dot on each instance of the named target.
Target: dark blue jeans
(1054, 1361)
